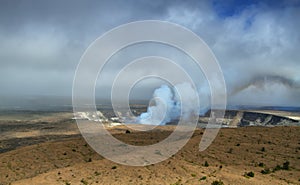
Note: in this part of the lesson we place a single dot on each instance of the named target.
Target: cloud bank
(257, 44)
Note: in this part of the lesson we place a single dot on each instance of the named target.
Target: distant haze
(257, 44)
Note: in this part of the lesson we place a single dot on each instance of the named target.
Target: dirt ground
(68, 159)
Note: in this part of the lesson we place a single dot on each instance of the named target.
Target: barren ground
(57, 154)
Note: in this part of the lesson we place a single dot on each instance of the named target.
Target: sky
(257, 44)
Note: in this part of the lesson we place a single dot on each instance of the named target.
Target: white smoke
(168, 105)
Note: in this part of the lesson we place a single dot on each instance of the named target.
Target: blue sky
(230, 8)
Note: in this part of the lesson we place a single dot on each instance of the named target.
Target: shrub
(193, 175)
(261, 164)
(127, 132)
(266, 171)
(286, 165)
(263, 149)
(277, 168)
(97, 173)
(206, 164)
(219, 182)
(249, 174)
(202, 178)
(84, 182)
(114, 167)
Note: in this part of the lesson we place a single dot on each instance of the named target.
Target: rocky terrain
(240, 118)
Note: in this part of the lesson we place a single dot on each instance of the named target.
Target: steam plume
(168, 105)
